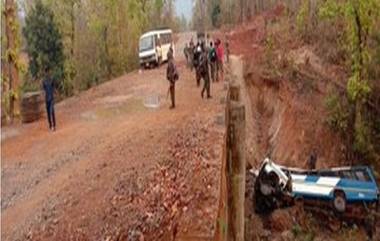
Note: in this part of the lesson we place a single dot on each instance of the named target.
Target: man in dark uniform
(197, 54)
(172, 76)
(186, 54)
(203, 70)
(48, 86)
(212, 61)
(191, 54)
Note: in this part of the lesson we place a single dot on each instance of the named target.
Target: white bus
(154, 47)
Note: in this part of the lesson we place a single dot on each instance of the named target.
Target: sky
(184, 7)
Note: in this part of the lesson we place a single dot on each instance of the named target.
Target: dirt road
(115, 168)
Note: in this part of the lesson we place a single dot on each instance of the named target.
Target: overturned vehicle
(351, 192)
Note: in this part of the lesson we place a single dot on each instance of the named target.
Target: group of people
(205, 59)
(207, 62)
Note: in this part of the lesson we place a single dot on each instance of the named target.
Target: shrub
(337, 112)
(44, 45)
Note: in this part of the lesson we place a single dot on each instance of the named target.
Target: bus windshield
(146, 43)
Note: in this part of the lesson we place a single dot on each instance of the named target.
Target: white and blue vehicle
(343, 187)
(346, 189)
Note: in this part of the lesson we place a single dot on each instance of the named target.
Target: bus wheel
(339, 201)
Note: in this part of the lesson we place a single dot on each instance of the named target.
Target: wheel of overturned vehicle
(269, 183)
(339, 201)
(274, 179)
(266, 189)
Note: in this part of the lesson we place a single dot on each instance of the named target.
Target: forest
(93, 41)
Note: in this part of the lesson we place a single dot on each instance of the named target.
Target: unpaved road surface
(116, 169)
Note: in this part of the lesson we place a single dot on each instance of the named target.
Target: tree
(359, 18)
(215, 14)
(182, 22)
(44, 44)
(10, 75)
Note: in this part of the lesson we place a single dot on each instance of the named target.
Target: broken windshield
(146, 43)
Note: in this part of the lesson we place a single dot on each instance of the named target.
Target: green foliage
(330, 10)
(360, 19)
(301, 234)
(337, 113)
(362, 144)
(356, 89)
(44, 44)
(302, 18)
(216, 15)
(29, 86)
(296, 230)
(101, 39)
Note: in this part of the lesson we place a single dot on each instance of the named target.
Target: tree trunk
(241, 11)
(11, 52)
(72, 34)
(358, 101)
(108, 61)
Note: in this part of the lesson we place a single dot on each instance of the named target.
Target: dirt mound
(244, 40)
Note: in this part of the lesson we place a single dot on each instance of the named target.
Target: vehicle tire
(269, 184)
(275, 183)
(339, 201)
(265, 189)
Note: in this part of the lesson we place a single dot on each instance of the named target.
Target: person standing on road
(191, 54)
(219, 62)
(196, 58)
(186, 54)
(212, 61)
(172, 76)
(203, 70)
(48, 86)
(227, 45)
